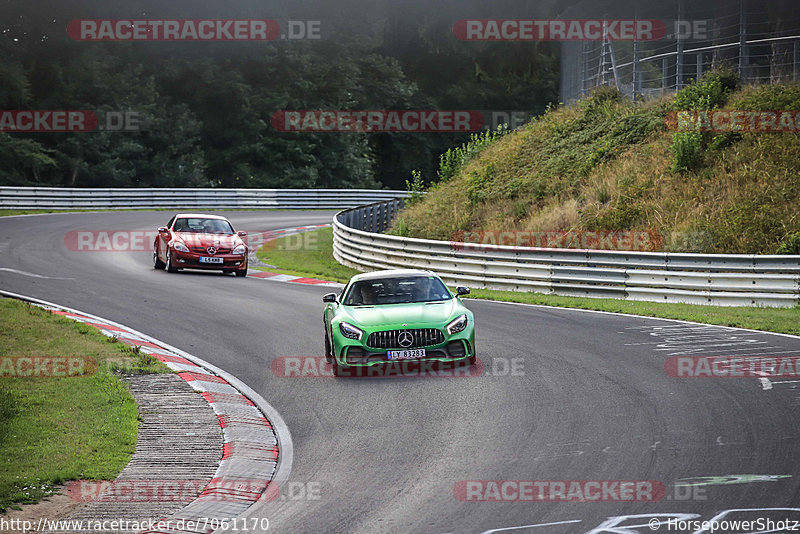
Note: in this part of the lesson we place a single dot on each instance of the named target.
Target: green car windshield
(397, 290)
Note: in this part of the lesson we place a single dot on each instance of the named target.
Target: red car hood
(192, 239)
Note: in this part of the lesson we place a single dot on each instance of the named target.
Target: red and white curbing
(276, 277)
(257, 445)
(294, 230)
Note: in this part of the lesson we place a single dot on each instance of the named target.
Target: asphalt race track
(565, 395)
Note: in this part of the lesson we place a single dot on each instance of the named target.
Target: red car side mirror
(241, 234)
(163, 229)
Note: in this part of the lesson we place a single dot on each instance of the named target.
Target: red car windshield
(396, 291)
(203, 226)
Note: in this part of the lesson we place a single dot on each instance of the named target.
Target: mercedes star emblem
(212, 250)
(405, 339)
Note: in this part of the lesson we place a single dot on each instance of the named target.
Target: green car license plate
(411, 354)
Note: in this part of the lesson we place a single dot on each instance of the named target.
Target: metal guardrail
(148, 198)
(723, 280)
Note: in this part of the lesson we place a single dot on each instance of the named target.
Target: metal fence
(759, 41)
(134, 198)
(724, 280)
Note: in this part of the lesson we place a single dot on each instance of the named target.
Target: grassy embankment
(606, 163)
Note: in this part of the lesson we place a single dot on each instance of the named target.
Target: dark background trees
(206, 106)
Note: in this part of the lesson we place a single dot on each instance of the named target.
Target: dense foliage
(206, 107)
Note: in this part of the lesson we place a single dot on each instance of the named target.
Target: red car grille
(420, 337)
(204, 250)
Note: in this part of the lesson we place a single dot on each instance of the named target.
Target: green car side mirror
(330, 297)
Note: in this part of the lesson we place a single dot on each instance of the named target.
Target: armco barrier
(149, 198)
(718, 279)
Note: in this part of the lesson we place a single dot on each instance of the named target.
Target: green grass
(53, 430)
(319, 261)
(309, 254)
(8, 213)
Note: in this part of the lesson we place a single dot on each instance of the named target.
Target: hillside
(607, 164)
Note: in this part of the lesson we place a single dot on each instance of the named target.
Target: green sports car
(397, 315)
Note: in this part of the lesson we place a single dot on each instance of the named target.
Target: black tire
(157, 263)
(170, 268)
(328, 351)
(242, 272)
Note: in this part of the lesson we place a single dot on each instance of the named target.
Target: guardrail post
(380, 218)
(679, 51)
(699, 66)
(742, 41)
(636, 75)
(390, 211)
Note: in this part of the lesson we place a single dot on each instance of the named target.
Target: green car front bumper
(373, 347)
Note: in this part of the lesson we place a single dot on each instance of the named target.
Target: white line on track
(34, 275)
(532, 526)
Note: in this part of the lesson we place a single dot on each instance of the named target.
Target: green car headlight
(349, 331)
(457, 325)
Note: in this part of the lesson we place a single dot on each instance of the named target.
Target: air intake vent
(405, 339)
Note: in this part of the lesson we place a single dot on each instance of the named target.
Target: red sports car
(192, 241)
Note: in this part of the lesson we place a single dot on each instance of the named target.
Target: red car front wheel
(170, 267)
(157, 263)
(242, 271)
